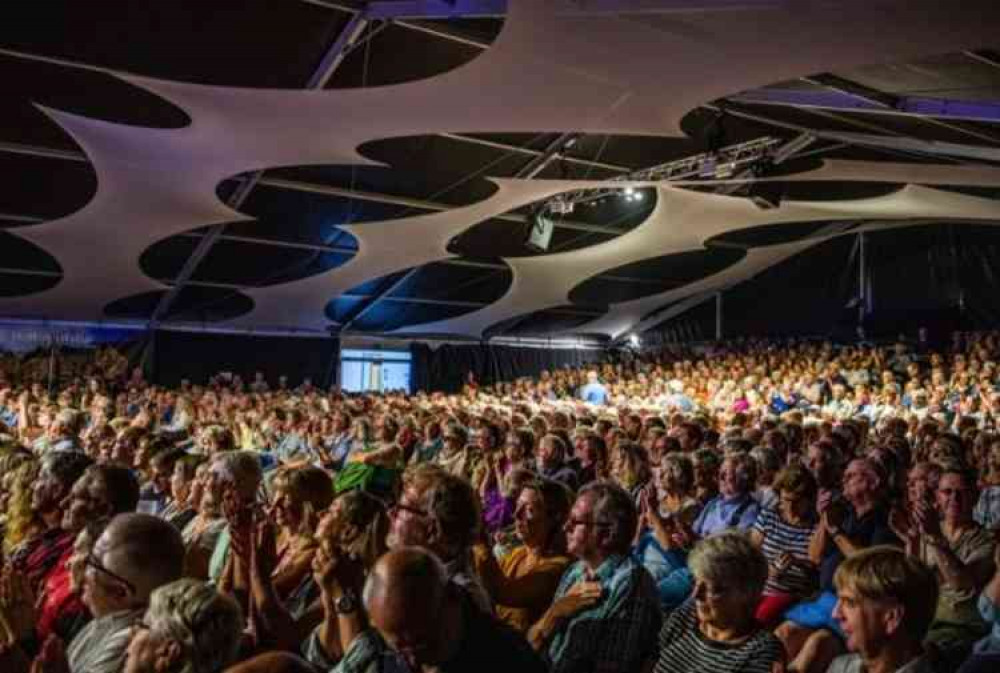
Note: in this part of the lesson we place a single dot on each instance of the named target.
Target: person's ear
(892, 620)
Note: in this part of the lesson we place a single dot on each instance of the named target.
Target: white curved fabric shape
(554, 67)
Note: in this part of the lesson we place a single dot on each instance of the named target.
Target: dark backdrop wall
(173, 356)
(445, 368)
(943, 277)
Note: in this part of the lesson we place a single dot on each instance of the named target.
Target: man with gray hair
(61, 435)
(236, 477)
(189, 627)
(606, 612)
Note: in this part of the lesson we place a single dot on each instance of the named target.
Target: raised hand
(581, 596)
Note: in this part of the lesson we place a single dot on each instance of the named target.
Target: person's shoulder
(845, 663)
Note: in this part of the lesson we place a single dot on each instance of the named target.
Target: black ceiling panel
(452, 281)
(234, 262)
(45, 188)
(312, 217)
(19, 253)
(193, 304)
(83, 92)
(776, 234)
(953, 75)
(397, 54)
(658, 274)
(19, 284)
(546, 321)
(392, 315)
(254, 43)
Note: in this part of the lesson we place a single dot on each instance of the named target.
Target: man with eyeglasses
(606, 613)
(135, 555)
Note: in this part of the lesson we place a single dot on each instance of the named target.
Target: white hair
(207, 624)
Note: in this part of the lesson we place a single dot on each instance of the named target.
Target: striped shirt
(685, 649)
(782, 537)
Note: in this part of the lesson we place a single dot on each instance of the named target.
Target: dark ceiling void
(652, 276)
(312, 213)
(193, 304)
(820, 190)
(29, 85)
(951, 75)
(395, 54)
(238, 262)
(560, 319)
(252, 43)
(777, 234)
(592, 222)
(981, 192)
(19, 253)
(25, 268)
(436, 291)
(22, 284)
(44, 188)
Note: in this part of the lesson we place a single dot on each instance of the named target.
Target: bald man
(421, 622)
(137, 554)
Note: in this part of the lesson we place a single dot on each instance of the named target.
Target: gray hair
(207, 624)
(732, 558)
(240, 468)
(613, 507)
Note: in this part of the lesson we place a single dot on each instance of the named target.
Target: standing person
(885, 604)
(594, 391)
(606, 611)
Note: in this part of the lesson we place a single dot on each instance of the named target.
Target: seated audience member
(987, 512)
(135, 555)
(715, 629)
(986, 653)
(734, 507)
(630, 468)
(235, 478)
(188, 627)
(301, 495)
(552, 461)
(706, 474)
(179, 510)
(783, 534)
(810, 634)
(659, 549)
(37, 556)
(103, 492)
(429, 623)
(885, 603)
(592, 452)
(944, 536)
(155, 494)
(202, 532)
(606, 612)
(523, 582)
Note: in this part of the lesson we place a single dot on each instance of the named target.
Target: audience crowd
(753, 506)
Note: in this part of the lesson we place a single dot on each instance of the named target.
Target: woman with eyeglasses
(715, 629)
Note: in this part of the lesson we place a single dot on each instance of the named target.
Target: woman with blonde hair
(301, 495)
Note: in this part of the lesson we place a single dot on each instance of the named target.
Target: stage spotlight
(634, 340)
(540, 234)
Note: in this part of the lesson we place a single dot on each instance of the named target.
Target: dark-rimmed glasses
(93, 562)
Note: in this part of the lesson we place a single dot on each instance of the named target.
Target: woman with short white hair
(189, 627)
(715, 629)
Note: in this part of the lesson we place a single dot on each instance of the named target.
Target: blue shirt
(617, 634)
(8, 417)
(668, 568)
(594, 393)
(293, 447)
(721, 513)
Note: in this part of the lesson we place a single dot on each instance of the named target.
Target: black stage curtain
(173, 356)
(445, 368)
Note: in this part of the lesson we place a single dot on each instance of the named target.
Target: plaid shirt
(620, 632)
(987, 512)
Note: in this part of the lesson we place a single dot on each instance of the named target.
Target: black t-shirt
(488, 645)
(869, 530)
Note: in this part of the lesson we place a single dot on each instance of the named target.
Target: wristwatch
(346, 604)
